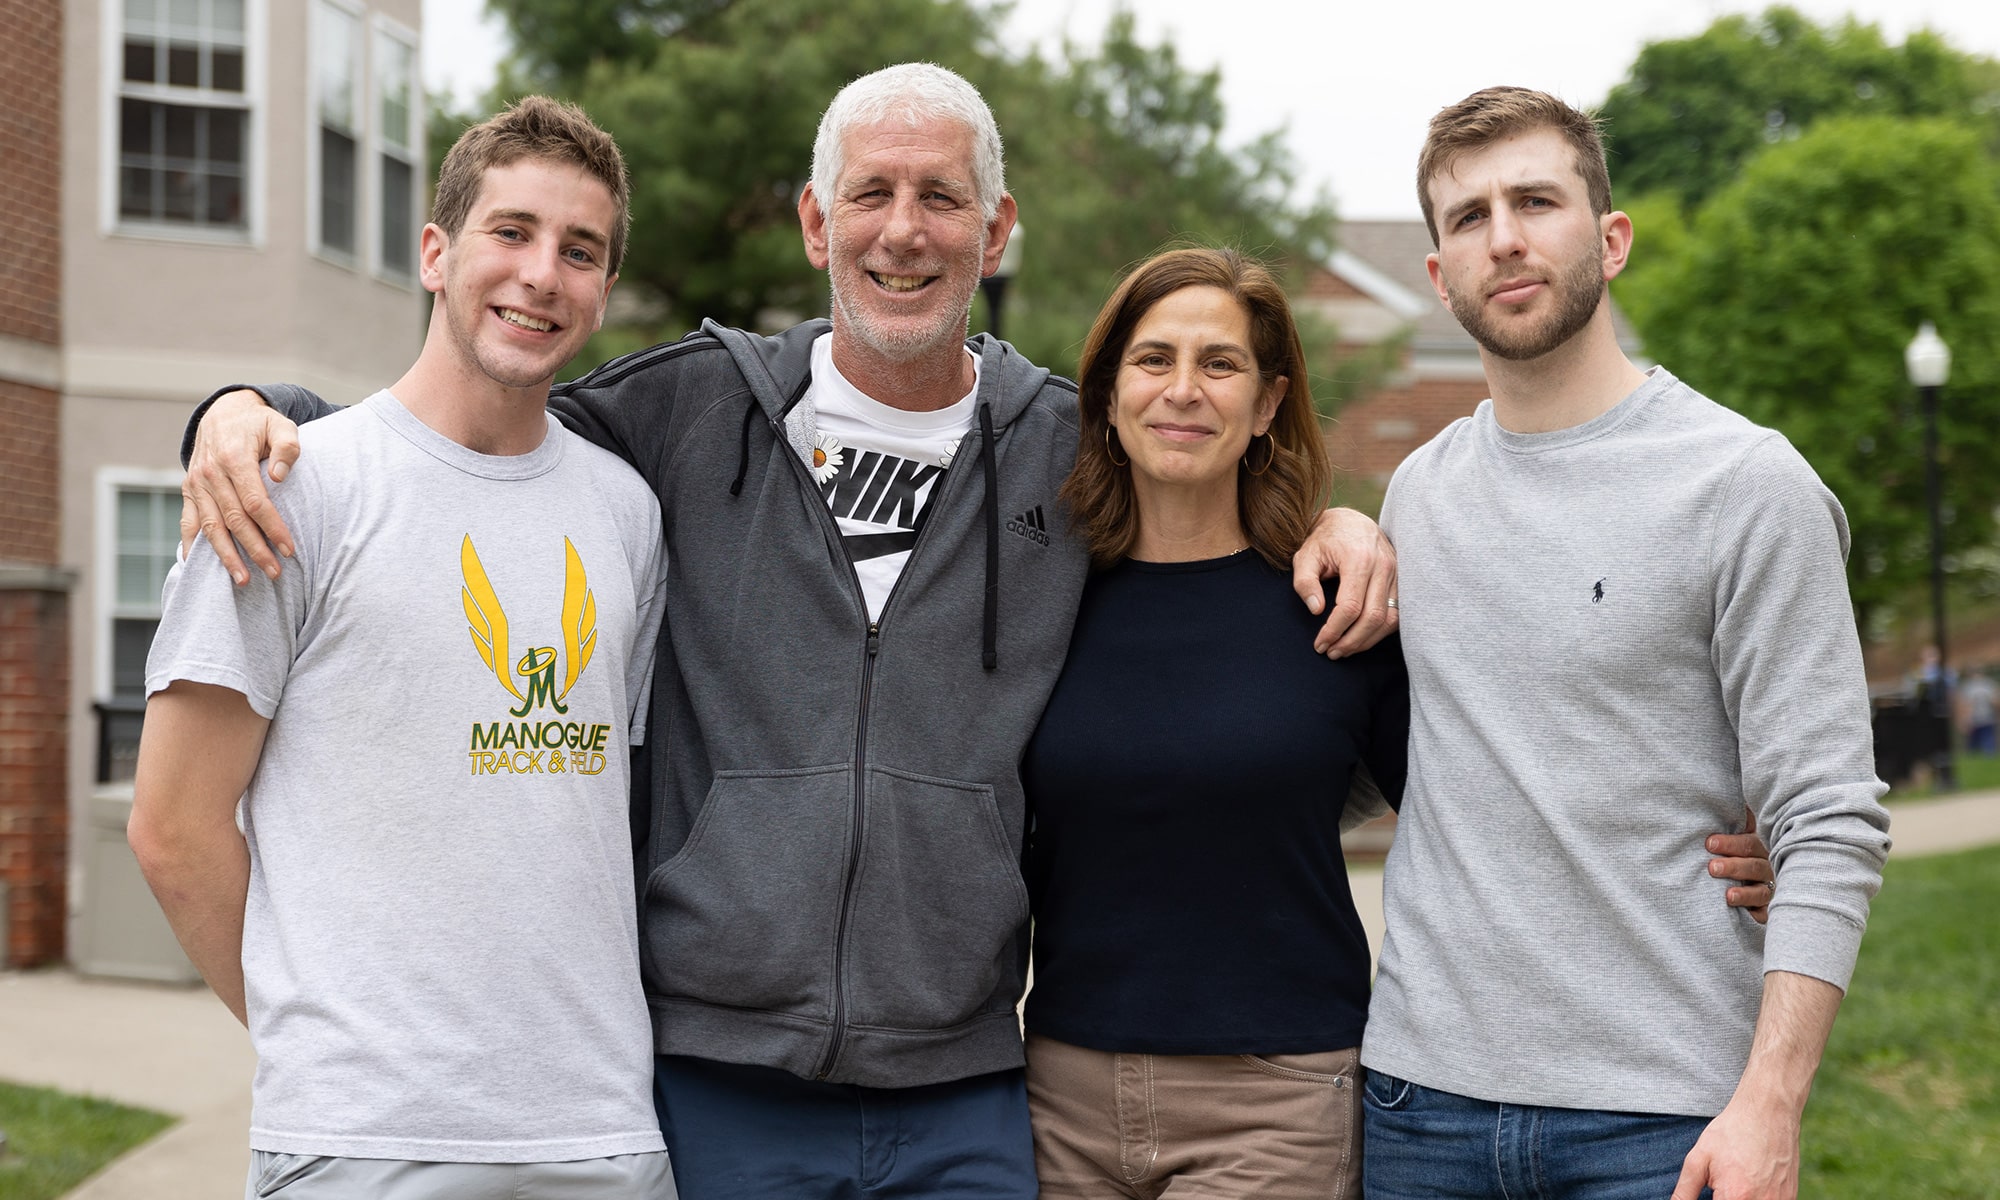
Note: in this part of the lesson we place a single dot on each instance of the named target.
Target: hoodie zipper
(871, 646)
(858, 823)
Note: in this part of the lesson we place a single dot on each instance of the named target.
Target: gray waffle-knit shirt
(1618, 635)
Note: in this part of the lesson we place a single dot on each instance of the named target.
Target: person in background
(1978, 696)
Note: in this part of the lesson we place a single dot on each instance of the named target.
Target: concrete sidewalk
(172, 1049)
(180, 1052)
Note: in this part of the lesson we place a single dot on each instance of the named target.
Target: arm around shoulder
(628, 405)
(224, 497)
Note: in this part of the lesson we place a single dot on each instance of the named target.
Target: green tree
(1117, 152)
(1692, 111)
(1113, 151)
(1797, 290)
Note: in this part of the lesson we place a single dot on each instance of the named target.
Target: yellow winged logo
(579, 618)
(488, 624)
(488, 619)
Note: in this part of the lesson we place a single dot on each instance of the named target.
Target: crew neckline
(1658, 380)
(539, 461)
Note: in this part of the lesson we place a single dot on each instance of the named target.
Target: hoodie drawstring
(777, 427)
(989, 656)
(743, 450)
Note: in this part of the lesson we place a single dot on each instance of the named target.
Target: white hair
(913, 93)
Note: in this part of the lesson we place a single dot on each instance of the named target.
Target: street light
(994, 286)
(1929, 363)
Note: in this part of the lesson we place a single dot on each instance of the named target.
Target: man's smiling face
(524, 283)
(904, 240)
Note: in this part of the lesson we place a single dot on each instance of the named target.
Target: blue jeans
(1423, 1144)
(758, 1133)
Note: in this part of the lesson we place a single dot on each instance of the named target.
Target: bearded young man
(1625, 617)
(855, 652)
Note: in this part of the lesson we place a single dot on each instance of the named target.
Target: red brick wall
(1372, 436)
(28, 464)
(34, 812)
(1322, 284)
(30, 166)
(34, 620)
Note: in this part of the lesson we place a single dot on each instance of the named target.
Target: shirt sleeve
(1788, 658)
(244, 639)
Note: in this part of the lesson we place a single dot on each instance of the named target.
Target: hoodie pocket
(744, 916)
(938, 900)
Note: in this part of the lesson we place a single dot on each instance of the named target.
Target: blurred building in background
(205, 191)
(1375, 288)
(35, 591)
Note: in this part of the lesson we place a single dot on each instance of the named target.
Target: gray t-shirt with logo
(440, 942)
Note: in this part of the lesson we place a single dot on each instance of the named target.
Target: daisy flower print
(828, 455)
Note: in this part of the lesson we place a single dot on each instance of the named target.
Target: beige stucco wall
(151, 324)
(145, 315)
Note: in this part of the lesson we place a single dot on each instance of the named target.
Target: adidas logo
(1030, 525)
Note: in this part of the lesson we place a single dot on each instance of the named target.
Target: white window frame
(110, 481)
(255, 101)
(416, 154)
(363, 90)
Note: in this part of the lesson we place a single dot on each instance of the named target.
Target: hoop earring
(1112, 454)
(1268, 458)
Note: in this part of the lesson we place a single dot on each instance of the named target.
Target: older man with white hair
(870, 591)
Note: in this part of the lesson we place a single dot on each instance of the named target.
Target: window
(183, 114)
(147, 525)
(336, 84)
(138, 531)
(396, 122)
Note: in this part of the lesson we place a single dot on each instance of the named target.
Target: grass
(56, 1141)
(1908, 1099)
(1976, 773)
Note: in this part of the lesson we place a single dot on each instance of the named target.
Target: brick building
(194, 192)
(1375, 288)
(34, 589)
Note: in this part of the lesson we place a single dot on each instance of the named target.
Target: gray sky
(1354, 82)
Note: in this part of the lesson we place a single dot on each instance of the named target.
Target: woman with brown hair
(1201, 976)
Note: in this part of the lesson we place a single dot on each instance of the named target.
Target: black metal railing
(118, 722)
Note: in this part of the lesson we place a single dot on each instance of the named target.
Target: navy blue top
(1186, 785)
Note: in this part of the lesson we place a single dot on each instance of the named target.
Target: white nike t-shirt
(878, 468)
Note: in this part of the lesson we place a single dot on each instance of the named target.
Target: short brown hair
(1279, 505)
(532, 127)
(1494, 113)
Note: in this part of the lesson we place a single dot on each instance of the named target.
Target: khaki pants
(1194, 1127)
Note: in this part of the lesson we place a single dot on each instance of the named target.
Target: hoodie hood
(776, 366)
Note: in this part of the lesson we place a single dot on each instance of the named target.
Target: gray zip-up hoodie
(830, 849)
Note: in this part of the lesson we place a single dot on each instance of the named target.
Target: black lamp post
(994, 286)
(1929, 363)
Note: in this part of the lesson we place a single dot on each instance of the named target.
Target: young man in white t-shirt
(425, 918)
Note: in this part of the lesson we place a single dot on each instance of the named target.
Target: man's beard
(947, 324)
(1578, 292)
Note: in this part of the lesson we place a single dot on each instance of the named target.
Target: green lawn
(1908, 1101)
(1976, 773)
(55, 1141)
